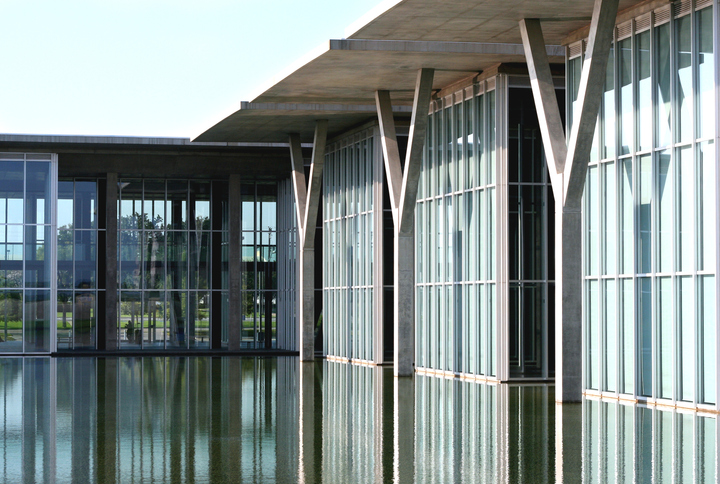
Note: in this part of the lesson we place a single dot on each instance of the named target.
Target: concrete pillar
(111, 264)
(403, 187)
(404, 310)
(307, 293)
(234, 257)
(567, 166)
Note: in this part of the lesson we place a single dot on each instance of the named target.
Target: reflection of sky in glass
(233, 419)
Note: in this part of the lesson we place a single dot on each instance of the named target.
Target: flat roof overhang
(338, 82)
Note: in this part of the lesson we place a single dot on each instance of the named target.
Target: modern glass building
(494, 195)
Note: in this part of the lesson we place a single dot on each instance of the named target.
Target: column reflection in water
(276, 420)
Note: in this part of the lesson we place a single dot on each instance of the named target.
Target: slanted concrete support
(307, 201)
(567, 164)
(403, 187)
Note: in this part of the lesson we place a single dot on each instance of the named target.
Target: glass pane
(37, 320)
(37, 191)
(85, 259)
(627, 209)
(686, 313)
(708, 338)
(176, 261)
(65, 210)
(199, 328)
(686, 208)
(592, 221)
(130, 213)
(706, 74)
(154, 205)
(665, 337)
(664, 102)
(683, 80)
(130, 318)
(12, 185)
(11, 321)
(248, 207)
(608, 113)
(179, 318)
(609, 206)
(130, 259)
(83, 320)
(645, 335)
(627, 124)
(38, 263)
(644, 92)
(200, 205)
(707, 208)
(593, 336)
(154, 260)
(200, 263)
(645, 216)
(627, 322)
(85, 208)
(665, 212)
(176, 204)
(153, 319)
(65, 319)
(610, 330)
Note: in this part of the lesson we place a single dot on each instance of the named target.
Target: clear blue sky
(150, 67)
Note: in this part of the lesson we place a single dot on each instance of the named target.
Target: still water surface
(197, 419)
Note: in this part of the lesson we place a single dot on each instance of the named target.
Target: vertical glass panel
(199, 327)
(481, 140)
(37, 193)
(592, 220)
(683, 79)
(176, 204)
(593, 336)
(707, 208)
(627, 124)
(154, 260)
(85, 208)
(665, 337)
(199, 205)
(180, 317)
(469, 138)
(12, 186)
(65, 320)
(686, 314)
(627, 321)
(37, 320)
(449, 164)
(65, 202)
(644, 91)
(708, 337)
(574, 74)
(83, 320)
(665, 212)
(38, 263)
(130, 259)
(176, 261)
(85, 259)
(645, 215)
(131, 192)
(153, 319)
(627, 208)
(491, 245)
(199, 257)
(490, 145)
(705, 74)
(609, 207)
(611, 341)
(11, 321)
(130, 318)
(154, 205)
(608, 113)
(686, 208)
(645, 335)
(248, 207)
(663, 111)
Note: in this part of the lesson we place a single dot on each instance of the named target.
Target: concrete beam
(592, 81)
(416, 146)
(548, 112)
(391, 153)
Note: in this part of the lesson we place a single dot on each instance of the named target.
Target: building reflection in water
(199, 419)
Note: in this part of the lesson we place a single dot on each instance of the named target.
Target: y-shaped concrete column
(307, 200)
(403, 189)
(567, 165)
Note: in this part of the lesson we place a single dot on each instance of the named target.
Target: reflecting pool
(206, 419)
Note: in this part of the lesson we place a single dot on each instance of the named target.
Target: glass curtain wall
(259, 265)
(650, 211)
(350, 293)
(456, 247)
(78, 239)
(531, 235)
(27, 251)
(287, 251)
(168, 231)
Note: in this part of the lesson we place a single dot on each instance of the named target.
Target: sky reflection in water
(199, 419)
